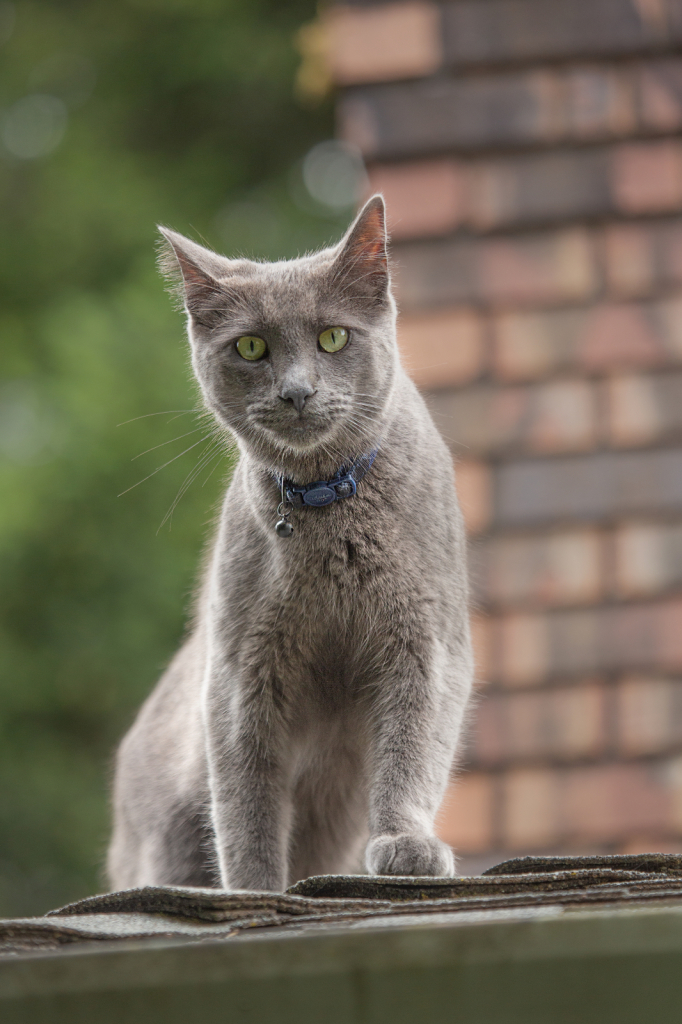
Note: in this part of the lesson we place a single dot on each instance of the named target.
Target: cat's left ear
(362, 261)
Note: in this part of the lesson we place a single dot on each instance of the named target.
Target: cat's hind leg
(178, 849)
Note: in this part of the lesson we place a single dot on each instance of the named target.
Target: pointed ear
(192, 273)
(363, 258)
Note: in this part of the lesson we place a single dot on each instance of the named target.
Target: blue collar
(323, 492)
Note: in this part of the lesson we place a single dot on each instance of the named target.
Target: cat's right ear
(192, 274)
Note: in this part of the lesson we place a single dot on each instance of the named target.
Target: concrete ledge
(532, 966)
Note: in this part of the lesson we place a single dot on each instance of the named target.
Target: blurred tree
(114, 117)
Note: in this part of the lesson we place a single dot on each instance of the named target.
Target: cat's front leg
(250, 797)
(416, 733)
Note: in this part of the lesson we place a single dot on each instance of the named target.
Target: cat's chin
(303, 440)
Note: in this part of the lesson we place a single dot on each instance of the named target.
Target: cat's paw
(409, 854)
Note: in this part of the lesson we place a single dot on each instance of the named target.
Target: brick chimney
(530, 155)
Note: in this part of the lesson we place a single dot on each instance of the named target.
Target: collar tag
(323, 492)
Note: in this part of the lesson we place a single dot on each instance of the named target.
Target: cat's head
(297, 358)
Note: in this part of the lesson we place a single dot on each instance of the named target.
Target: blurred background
(530, 154)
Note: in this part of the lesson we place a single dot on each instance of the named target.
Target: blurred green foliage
(173, 111)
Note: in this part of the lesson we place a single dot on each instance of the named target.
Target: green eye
(251, 348)
(333, 339)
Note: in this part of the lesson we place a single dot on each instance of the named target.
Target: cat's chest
(341, 570)
(319, 604)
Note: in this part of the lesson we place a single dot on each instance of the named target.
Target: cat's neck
(304, 472)
(323, 462)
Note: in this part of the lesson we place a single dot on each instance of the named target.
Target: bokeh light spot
(334, 175)
(34, 126)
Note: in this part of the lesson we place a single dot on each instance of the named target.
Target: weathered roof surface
(519, 943)
(343, 899)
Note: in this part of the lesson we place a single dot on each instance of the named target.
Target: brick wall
(530, 152)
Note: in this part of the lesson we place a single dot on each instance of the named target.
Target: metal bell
(284, 528)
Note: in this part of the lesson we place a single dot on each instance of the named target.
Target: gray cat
(315, 707)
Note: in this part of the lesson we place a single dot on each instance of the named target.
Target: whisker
(204, 460)
(159, 468)
(178, 438)
(165, 412)
(212, 471)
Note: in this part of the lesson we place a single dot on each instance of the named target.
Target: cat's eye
(333, 339)
(251, 348)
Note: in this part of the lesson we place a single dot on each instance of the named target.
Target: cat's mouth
(300, 432)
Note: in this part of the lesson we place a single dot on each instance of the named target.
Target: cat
(315, 708)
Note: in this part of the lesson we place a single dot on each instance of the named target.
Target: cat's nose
(297, 396)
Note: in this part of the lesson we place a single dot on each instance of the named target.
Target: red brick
(673, 778)
(433, 197)
(669, 240)
(524, 30)
(648, 715)
(564, 417)
(522, 649)
(585, 807)
(359, 123)
(480, 419)
(550, 569)
(455, 114)
(660, 95)
(560, 416)
(649, 634)
(568, 723)
(538, 188)
(532, 345)
(642, 259)
(442, 348)
(466, 815)
(629, 252)
(539, 268)
(606, 803)
(481, 638)
(527, 649)
(529, 809)
(616, 335)
(642, 408)
(632, 410)
(511, 109)
(426, 197)
(606, 336)
(596, 486)
(437, 274)
(543, 268)
(487, 733)
(475, 494)
(647, 177)
(377, 44)
(565, 724)
(600, 102)
(668, 316)
(639, 566)
(648, 558)
(642, 635)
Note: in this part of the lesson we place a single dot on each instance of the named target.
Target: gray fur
(316, 706)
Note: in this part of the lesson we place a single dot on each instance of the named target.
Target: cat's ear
(362, 261)
(193, 274)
